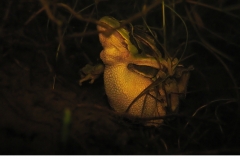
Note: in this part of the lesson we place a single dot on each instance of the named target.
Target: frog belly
(123, 86)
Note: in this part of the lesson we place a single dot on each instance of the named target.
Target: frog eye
(146, 71)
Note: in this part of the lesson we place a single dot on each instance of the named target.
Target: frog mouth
(108, 31)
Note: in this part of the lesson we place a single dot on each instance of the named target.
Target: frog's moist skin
(121, 84)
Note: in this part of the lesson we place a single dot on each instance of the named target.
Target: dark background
(39, 80)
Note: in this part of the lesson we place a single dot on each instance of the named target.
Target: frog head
(118, 46)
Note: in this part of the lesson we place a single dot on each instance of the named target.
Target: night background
(43, 110)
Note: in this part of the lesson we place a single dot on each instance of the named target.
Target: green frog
(140, 84)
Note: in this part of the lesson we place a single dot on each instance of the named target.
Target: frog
(138, 84)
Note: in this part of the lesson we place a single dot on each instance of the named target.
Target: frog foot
(90, 72)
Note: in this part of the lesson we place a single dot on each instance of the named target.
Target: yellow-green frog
(129, 76)
(128, 73)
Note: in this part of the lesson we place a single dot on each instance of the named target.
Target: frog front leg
(91, 72)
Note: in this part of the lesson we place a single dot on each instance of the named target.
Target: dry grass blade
(213, 8)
